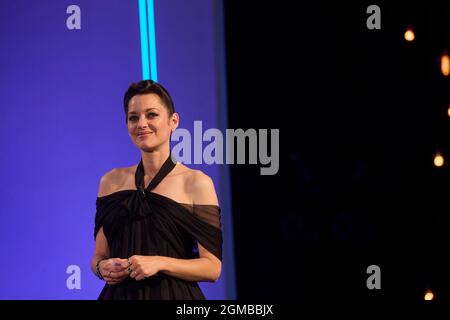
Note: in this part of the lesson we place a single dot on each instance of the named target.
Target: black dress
(141, 222)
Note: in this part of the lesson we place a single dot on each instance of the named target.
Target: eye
(132, 118)
(152, 115)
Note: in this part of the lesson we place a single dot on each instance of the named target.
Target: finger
(108, 262)
(108, 275)
(133, 274)
(113, 261)
(121, 278)
(116, 275)
(118, 262)
(118, 268)
(132, 259)
(113, 264)
(124, 264)
(120, 274)
(118, 280)
(140, 276)
(114, 278)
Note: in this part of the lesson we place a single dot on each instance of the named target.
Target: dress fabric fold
(141, 222)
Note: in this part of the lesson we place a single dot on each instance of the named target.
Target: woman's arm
(205, 268)
(101, 253)
(113, 270)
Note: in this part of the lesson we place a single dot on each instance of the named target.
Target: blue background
(63, 127)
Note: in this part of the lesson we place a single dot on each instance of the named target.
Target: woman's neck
(153, 161)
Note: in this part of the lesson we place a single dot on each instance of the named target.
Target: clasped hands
(115, 270)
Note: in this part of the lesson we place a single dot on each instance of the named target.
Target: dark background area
(361, 115)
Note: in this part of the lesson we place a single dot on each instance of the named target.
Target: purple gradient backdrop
(63, 127)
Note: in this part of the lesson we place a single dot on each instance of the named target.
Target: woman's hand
(141, 267)
(114, 270)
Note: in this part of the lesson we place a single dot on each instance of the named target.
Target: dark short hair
(144, 87)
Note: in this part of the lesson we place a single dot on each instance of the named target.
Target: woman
(157, 226)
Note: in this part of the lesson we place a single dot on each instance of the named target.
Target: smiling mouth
(143, 135)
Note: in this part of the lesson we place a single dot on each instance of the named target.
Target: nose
(142, 123)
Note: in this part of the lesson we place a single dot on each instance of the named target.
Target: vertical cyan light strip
(152, 39)
(144, 39)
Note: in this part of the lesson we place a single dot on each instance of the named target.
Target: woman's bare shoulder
(115, 180)
(200, 186)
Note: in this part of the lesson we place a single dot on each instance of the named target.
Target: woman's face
(148, 122)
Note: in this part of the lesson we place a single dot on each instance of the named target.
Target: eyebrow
(148, 109)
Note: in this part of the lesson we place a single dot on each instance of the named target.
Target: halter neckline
(167, 166)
